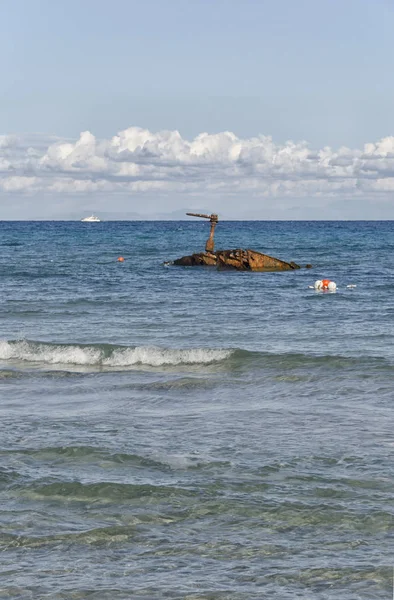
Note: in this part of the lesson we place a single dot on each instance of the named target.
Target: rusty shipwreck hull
(251, 260)
(238, 259)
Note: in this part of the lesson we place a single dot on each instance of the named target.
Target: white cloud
(18, 184)
(138, 161)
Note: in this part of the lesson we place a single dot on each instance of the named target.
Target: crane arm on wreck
(210, 244)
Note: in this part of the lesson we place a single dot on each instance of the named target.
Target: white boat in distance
(91, 219)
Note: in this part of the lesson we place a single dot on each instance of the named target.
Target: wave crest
(106, 355)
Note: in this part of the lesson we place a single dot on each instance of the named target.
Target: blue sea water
(190, 433)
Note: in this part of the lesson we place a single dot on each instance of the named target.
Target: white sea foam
(48, 353)
(116, 357)
(163, 356)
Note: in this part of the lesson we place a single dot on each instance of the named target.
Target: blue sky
(319, 70)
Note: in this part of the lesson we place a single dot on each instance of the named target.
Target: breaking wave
(86, 357)
(106, 355)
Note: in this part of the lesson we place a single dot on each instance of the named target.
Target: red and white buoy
(325, 285)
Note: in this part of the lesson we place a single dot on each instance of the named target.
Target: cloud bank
(248, 174)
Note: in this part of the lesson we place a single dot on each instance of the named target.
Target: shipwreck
(239, 259)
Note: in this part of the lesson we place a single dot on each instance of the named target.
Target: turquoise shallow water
(188, 433)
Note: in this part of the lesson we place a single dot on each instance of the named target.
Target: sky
(255, 109)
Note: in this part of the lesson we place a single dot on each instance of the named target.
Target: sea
(188, 433)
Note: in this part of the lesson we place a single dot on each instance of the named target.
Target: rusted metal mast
(210, 244)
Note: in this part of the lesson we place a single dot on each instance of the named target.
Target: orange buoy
(325, 283)
(120, 259)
